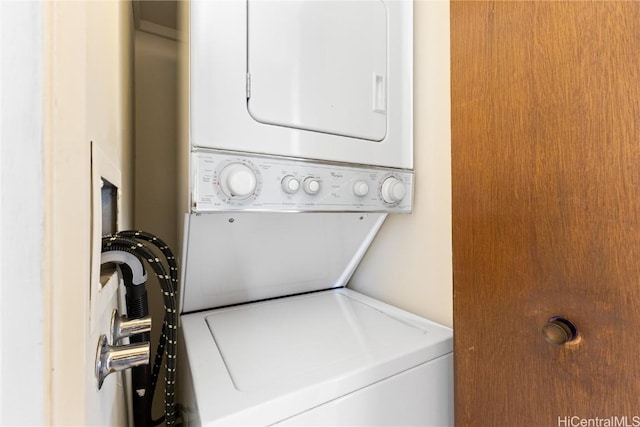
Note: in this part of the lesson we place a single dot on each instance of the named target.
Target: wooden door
(546, 204)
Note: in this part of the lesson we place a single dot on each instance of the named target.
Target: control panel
(224, 180)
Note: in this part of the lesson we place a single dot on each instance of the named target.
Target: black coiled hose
(128, 241)
(173, 271)
(137, 307)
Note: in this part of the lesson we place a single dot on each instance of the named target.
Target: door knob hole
(559, 331)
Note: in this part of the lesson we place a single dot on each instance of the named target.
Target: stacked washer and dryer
(298, 134)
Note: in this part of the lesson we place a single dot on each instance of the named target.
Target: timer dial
(393, 190)
(238, 181)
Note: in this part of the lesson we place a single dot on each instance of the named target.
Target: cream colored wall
(156, 135)
(409, 263)
(89, 92)
(155, 156)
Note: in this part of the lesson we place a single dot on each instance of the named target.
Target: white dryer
(314, 79)
(299, 130)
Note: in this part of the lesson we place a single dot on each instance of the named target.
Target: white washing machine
(332, 358)
(324, 354)
(270, 333)
(299, 130)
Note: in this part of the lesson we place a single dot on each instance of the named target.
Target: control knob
(393, 190)
(311, 185)
(290, 184)
(238, 181)
(360, 188)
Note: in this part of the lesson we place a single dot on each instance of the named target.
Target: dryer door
(319, 66)
(315, 79)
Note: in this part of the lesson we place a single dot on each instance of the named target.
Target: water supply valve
(115, 358)
(123, 327)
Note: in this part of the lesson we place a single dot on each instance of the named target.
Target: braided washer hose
(124, 241)
(173, 271)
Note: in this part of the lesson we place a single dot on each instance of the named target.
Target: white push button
(360, 188)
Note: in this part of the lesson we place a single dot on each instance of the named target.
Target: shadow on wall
(155, 155)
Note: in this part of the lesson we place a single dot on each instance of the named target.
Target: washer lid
(291, 342)
(319, 66)
(263, 362)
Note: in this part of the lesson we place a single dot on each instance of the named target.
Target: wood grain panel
(546, 202)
